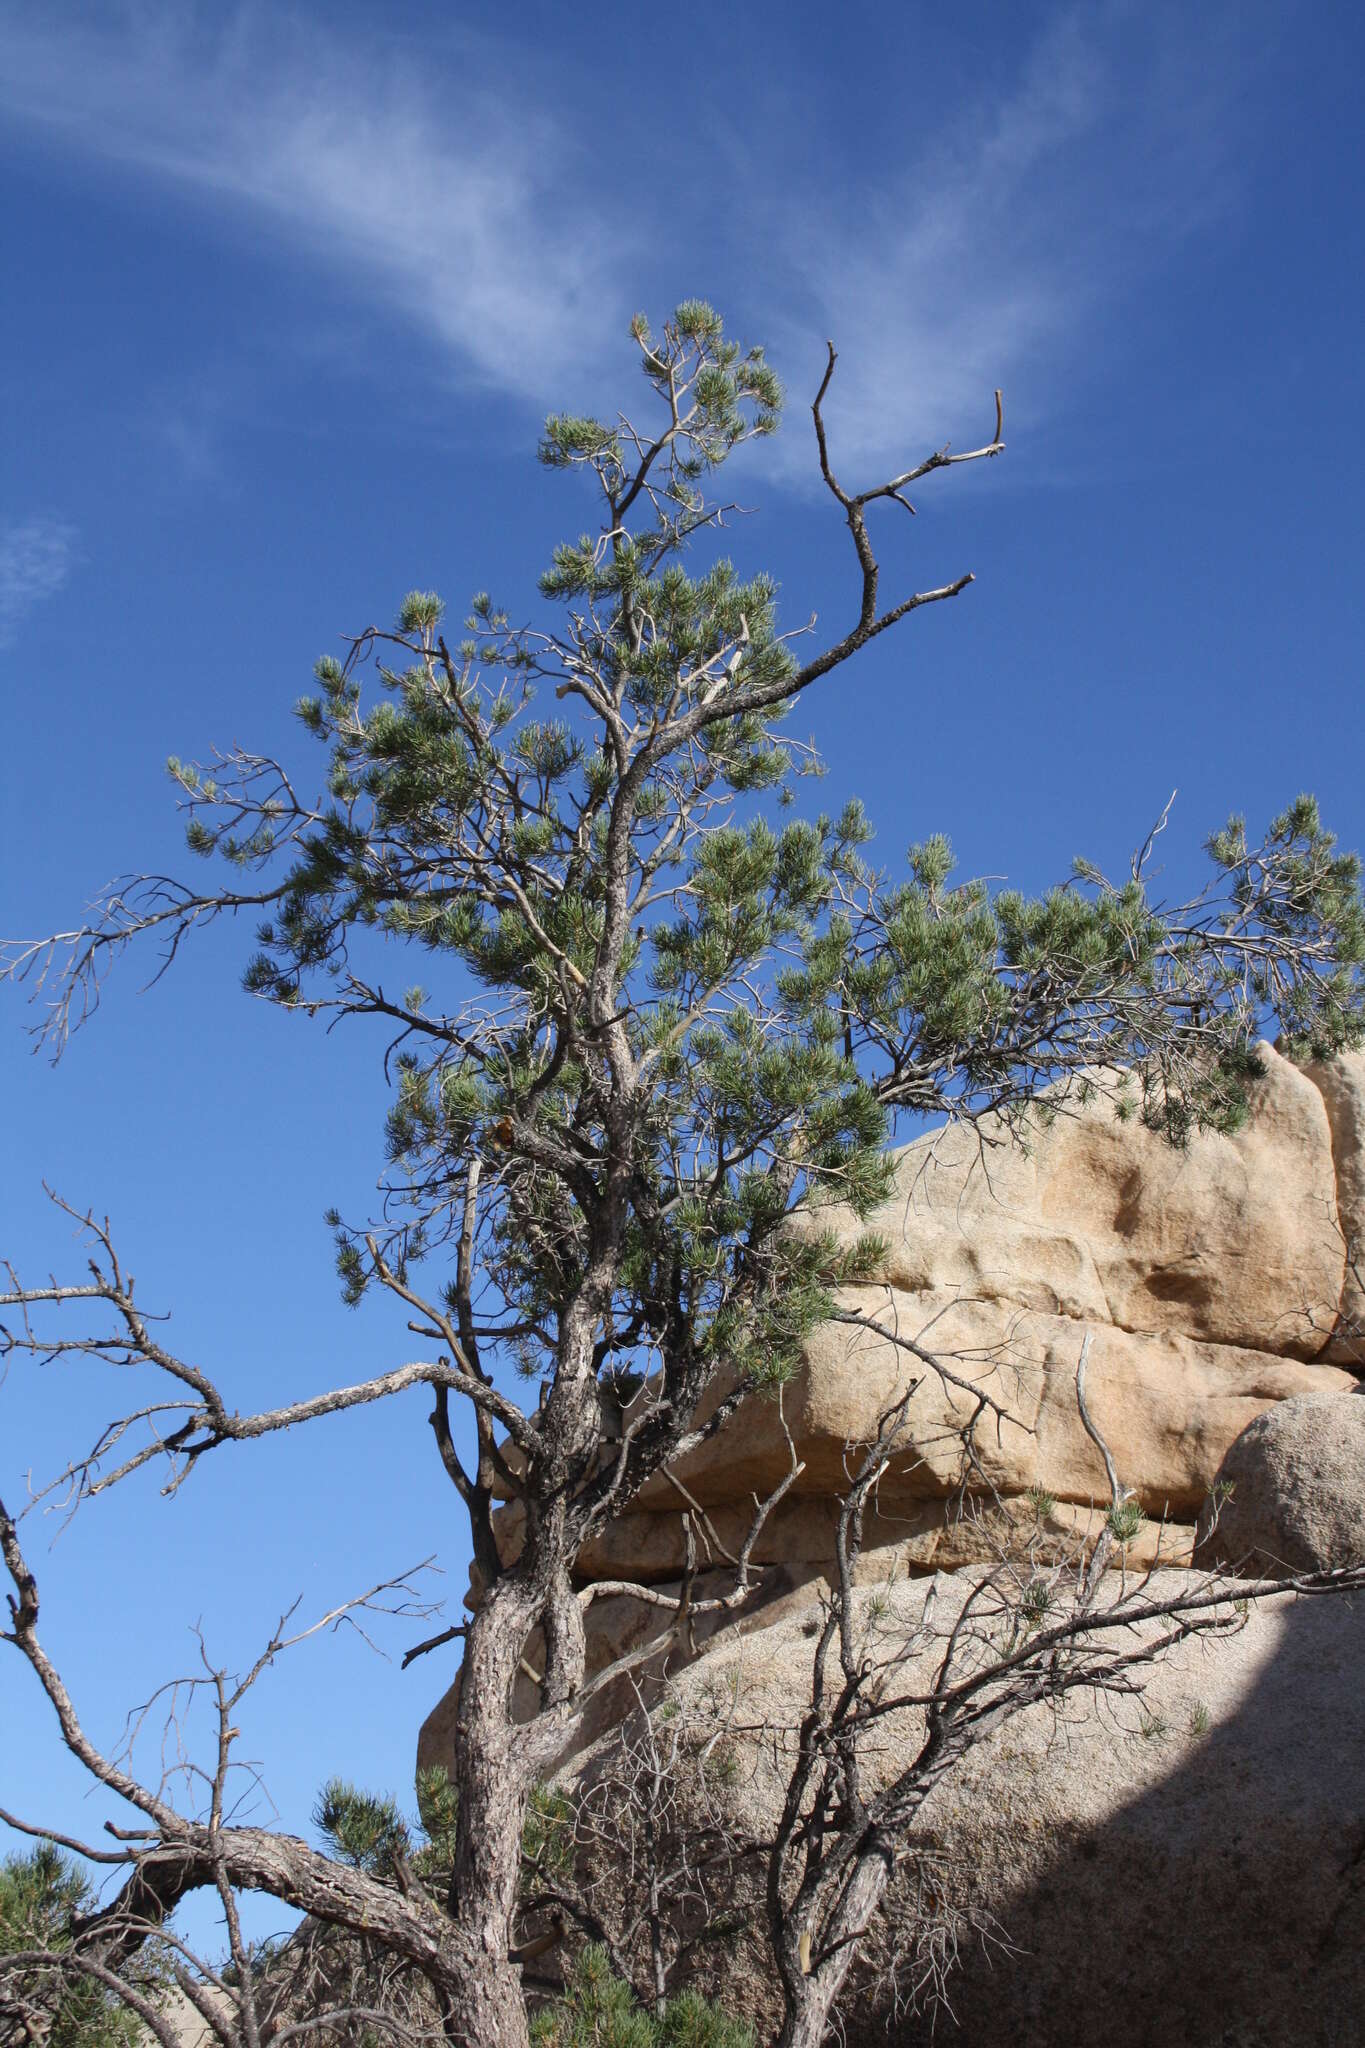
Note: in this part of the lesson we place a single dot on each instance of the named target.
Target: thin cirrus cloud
(1001, 254)
(992, 255)
(469, 224)
(36, 556)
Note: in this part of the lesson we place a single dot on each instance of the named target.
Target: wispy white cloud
(1003, 252)
(467, 212)
(36, 557)
(446, 186)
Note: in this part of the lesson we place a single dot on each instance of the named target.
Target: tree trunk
(486, 2006)
(806, 2023)
(497, 1761)
(486, 2009)
(809, 1996)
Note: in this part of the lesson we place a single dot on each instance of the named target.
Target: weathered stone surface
(1210, 1278)
(1297, 1499)
(918, 1537)
(1342, 1082)
(1232, 1240)
(1191, 1869)
(1169, 1406)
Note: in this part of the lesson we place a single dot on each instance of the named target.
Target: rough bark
(485, 2002)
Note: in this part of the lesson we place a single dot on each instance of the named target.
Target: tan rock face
(1168, 1406)
(1233, 1240)
(1342, 1082)
(1211, 1279)
(922, 1536)
(1295, 1499)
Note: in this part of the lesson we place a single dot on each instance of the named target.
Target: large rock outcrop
(1214, 1279)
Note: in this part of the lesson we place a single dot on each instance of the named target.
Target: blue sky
(289, 290)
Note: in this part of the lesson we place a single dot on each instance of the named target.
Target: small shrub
(1037, 1599)
(599, 2010)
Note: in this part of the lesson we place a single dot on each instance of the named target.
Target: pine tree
(659, 1006)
